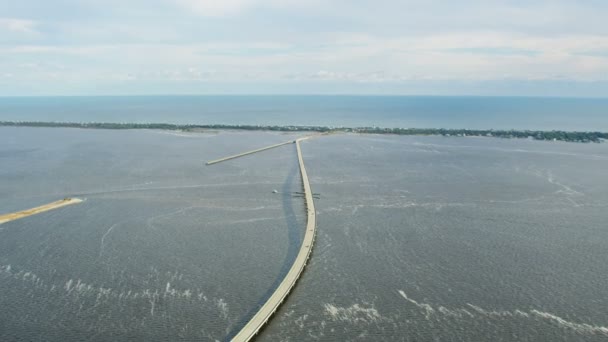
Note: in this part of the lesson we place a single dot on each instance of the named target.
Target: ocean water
(349, 111)
(162, 249)
(447, 239)
(419, 238)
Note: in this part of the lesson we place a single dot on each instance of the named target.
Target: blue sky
(491, 47)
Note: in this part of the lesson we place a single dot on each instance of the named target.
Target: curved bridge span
(278, 296)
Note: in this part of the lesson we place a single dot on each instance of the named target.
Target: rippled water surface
(419, 238)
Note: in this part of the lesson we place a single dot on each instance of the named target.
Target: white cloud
(222, 8)
(318, 41)
(18, 25)
(216, 8)
(356, 58)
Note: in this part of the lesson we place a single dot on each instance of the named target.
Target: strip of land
(29, 212)
(569, 136)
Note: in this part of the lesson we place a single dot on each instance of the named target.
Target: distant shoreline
(568, 136)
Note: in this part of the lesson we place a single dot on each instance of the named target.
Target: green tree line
(584, 137)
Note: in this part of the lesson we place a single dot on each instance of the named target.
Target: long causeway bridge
(256, 323)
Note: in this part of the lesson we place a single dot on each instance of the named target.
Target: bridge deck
(263, 315)
(249, 152)
(278, 296)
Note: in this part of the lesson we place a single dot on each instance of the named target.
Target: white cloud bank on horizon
(262, 42)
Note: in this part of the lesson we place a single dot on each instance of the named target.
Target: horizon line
(306, 95)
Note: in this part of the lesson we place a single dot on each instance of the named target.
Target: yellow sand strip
(25, 213)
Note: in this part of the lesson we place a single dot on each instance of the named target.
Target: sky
(379, 47)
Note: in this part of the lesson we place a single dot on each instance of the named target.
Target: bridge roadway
(249, 152)
(280, 293)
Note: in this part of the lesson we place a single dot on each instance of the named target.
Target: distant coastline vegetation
(583, 137)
